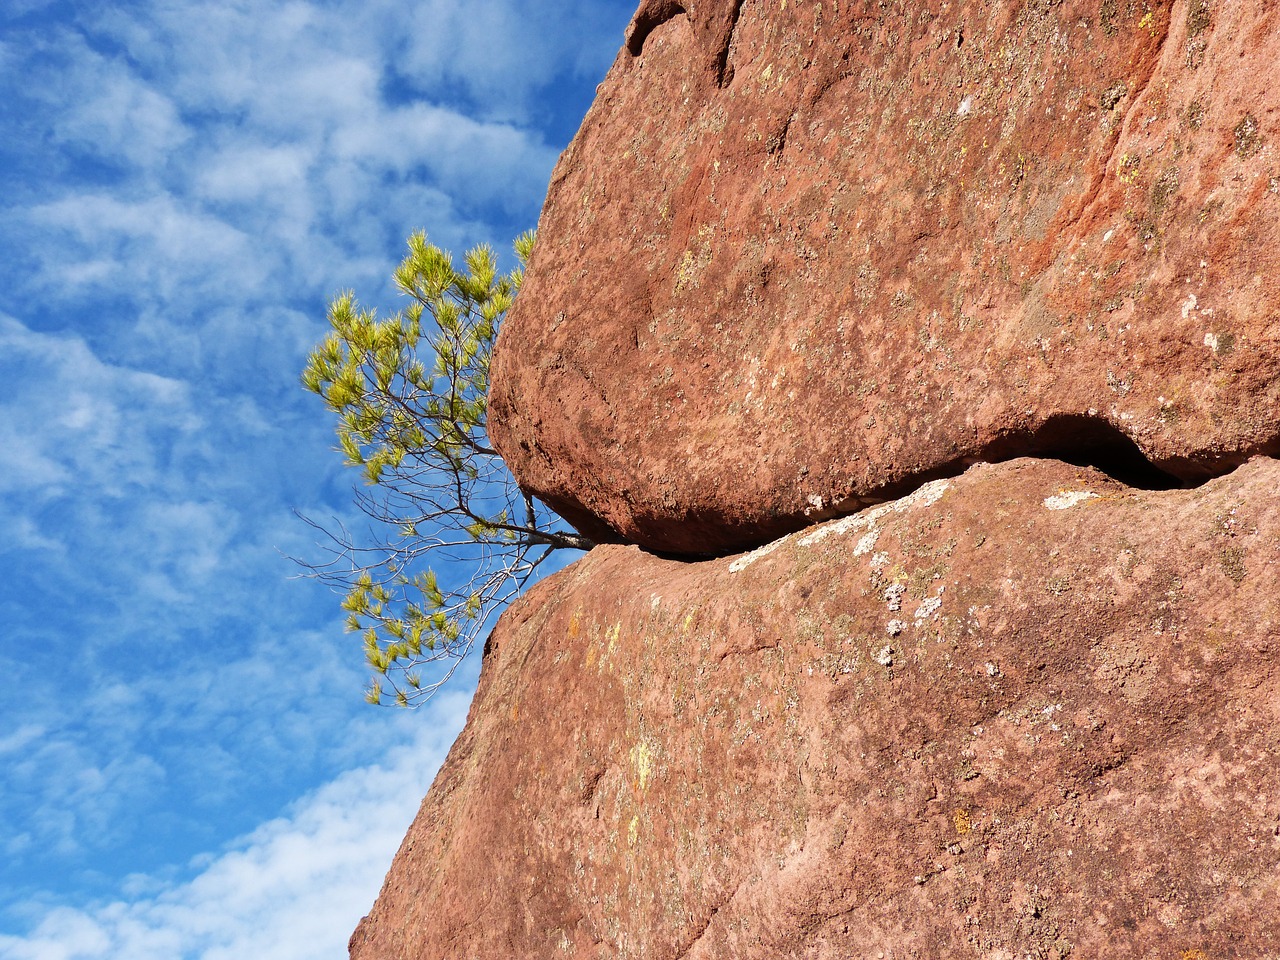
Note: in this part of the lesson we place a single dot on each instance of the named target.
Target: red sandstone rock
(1027, 712)
(802, 253)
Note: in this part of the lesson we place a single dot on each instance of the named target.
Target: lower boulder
(1027, 712)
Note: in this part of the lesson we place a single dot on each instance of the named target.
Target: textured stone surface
(1027, 712)
(802, 254)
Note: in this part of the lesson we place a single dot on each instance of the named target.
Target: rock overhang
(867, 249)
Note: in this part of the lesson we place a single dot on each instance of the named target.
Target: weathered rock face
(802, 254)
(1025, 712)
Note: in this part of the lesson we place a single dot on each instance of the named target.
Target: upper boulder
(802, 255)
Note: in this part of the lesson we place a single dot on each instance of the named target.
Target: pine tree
(410, 394)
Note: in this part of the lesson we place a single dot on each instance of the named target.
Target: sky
(187, 766)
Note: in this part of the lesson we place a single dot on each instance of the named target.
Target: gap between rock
(1077, 439)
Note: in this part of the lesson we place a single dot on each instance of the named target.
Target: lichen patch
(1067, 499)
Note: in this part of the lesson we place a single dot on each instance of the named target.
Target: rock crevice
(652, 14)
(713, 24)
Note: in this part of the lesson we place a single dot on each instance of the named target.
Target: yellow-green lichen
(1248, 137)
(1198, 18)
(642, 764)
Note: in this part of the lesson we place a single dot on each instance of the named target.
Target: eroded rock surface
(1025, 712)
(803, 254)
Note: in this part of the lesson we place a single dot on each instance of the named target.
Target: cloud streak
(293, 889)
(100, 426)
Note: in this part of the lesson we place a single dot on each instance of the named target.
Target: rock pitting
(802, 254)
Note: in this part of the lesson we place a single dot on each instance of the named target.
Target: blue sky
(187, 768)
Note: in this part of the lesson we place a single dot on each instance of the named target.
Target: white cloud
(72, 795)
(485, 162)
(24, 535)
(22, 737)
(108, 110)
(159, 245)
(248, 172)
(70, 422)
(17, 8)
(504, 52)
(293, 889)
(118, 739)
(228, 57)
(250, 139)
(188, 183)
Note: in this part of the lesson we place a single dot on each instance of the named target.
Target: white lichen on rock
(747, 559)
(867, 542)
(928, 494)
(1067, 499)
(929, 606)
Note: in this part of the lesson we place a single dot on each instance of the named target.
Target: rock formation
(801, 254)
(1028, 712)
(963, 318)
